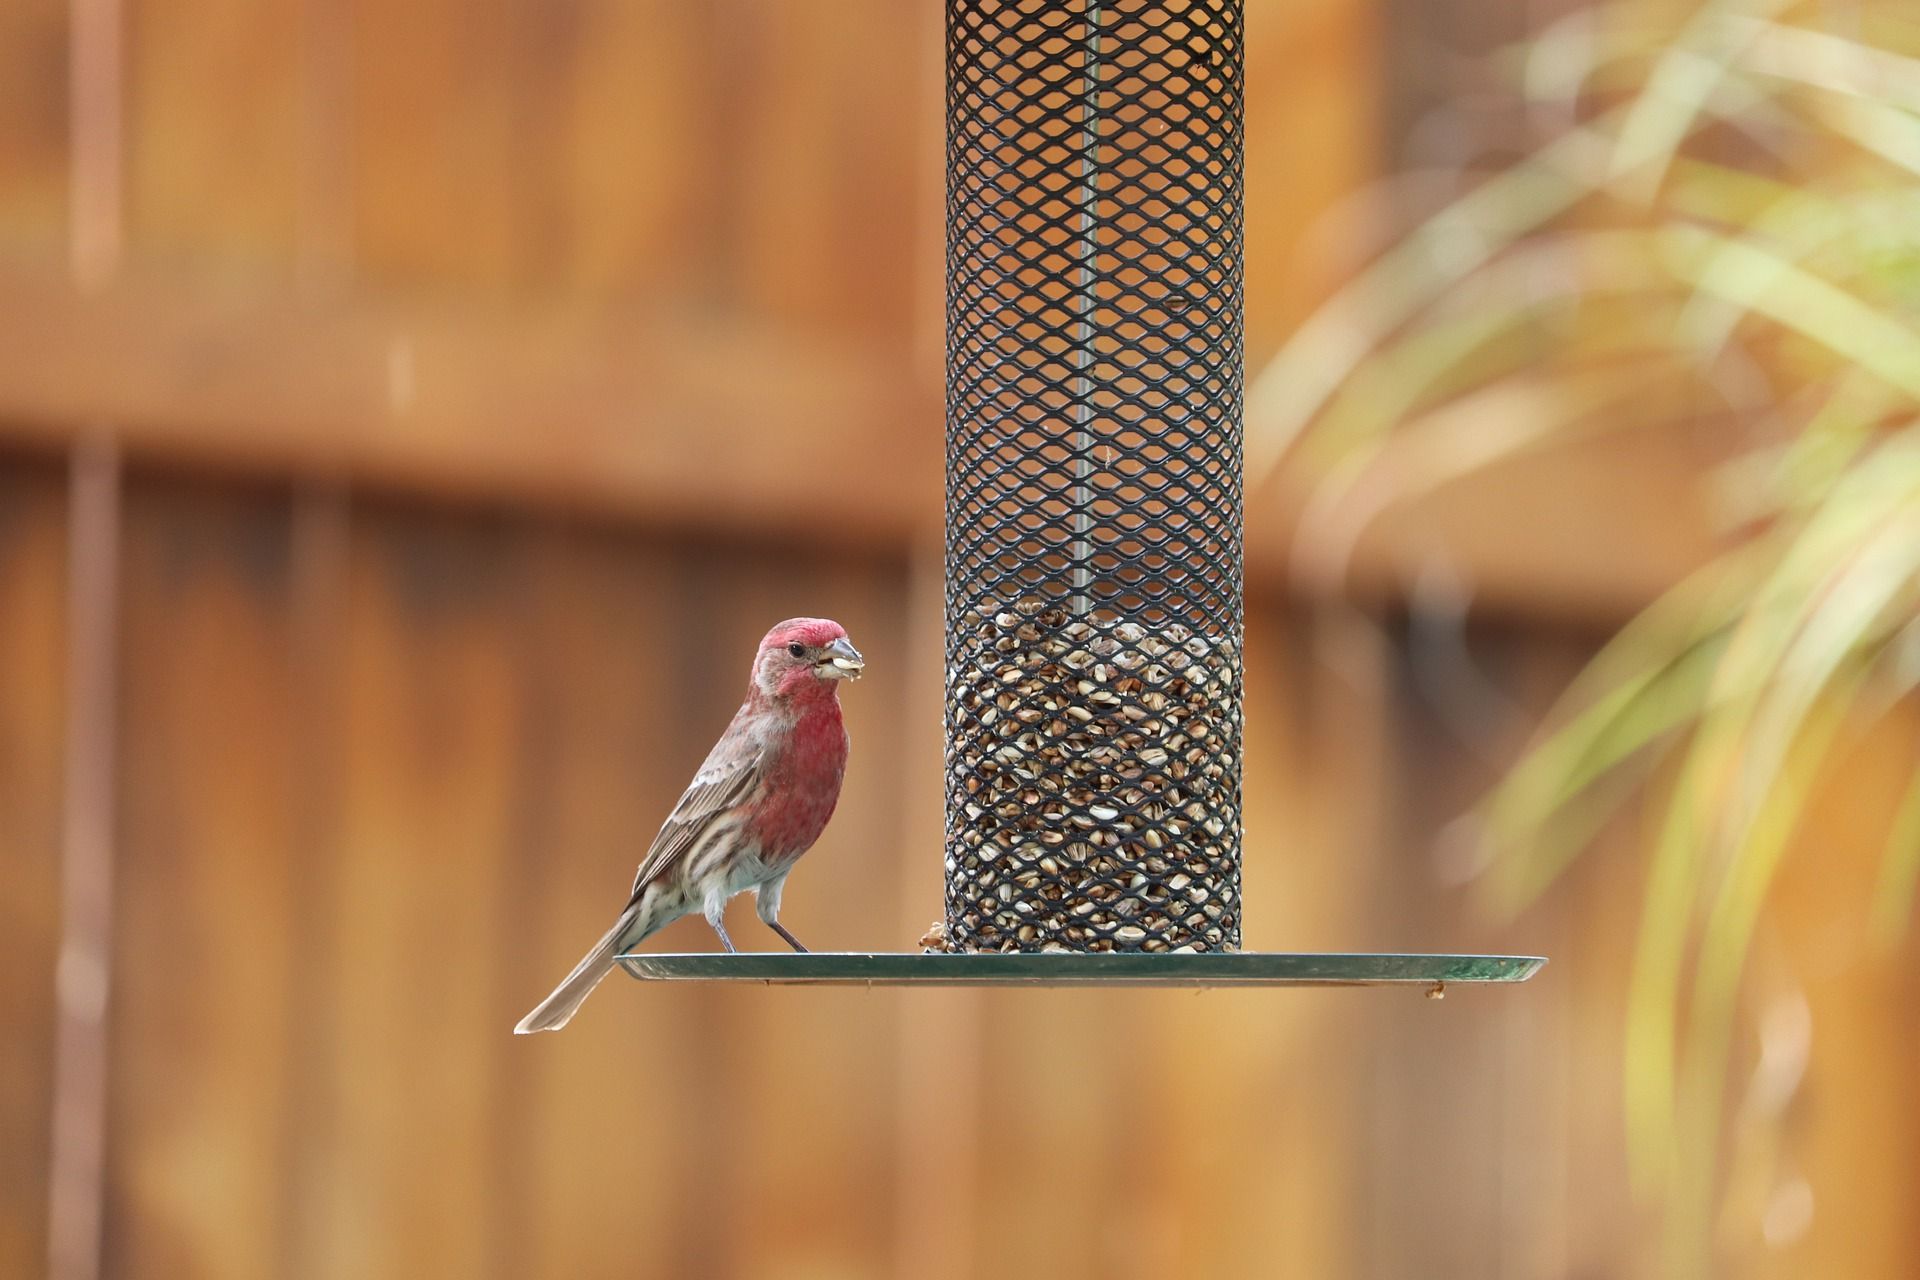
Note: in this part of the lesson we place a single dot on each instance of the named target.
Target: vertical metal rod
(1082, 553)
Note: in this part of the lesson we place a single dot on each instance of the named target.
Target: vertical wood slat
(1314, 145)
(438, 86)
(1564, 1170)
(35, 149)
(213, 135)
(33, 693)
(1260, 1174)
(1421, 1137)
(614, 178)
(802, 1160)
(1825, 1166)
(96, 93)
(1464, 1096)
(591, 605)
(323, 205)
(401, 1175)
(1318, 732)
(319, 554)
(824, 156)
(208, 900)
(938, 1115)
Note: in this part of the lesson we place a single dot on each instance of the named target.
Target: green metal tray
(1056, 969)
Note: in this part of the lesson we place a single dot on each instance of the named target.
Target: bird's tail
(557, 1009)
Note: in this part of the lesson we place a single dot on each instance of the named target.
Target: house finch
(759, 802)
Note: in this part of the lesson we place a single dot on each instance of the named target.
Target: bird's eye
(797, 649)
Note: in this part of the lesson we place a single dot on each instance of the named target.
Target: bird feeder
(1093, 517)
(1093, 607)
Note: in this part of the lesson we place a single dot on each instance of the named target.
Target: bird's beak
(841, 661)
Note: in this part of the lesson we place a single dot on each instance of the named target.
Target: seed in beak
(845, 660)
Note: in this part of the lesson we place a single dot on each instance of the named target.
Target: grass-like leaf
(1737, 222)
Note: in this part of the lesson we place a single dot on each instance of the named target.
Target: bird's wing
(727, 778)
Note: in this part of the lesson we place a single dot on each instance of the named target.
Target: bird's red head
(805, 657)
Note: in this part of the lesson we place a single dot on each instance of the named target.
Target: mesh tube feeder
(1093, 475)
(1093, 518)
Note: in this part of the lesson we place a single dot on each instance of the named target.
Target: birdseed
(1093, 791)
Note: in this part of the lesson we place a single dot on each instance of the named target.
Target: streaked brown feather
(730, 775)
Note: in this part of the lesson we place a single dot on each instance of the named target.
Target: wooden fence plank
(212, 134)
(437, 201)
(807, 1069)
(32, 734)
(206, 898)
(604, 1114)
(33, 146)
(618, 179)
(406, 1165)
(736, 426)
(723, 425)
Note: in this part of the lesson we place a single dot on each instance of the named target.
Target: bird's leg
(767, 897)
(792, 941)
(715, 910)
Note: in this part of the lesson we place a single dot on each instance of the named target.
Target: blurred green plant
(1727, 224)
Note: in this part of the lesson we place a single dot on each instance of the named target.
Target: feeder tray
(1089, 969)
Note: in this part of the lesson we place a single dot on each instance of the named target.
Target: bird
(761, 799)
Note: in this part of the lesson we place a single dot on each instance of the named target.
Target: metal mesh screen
(1093, 605)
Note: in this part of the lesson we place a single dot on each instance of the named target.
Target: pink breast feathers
(803, 784)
